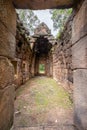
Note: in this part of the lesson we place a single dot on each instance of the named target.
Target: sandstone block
(79, 54)
(6, 72)
(6, 107)
(7, 42)
(80, 98)
(22, 4)
(79, 26)
(8, 15)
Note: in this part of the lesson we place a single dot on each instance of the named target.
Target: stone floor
(42, 104)
(60, 127)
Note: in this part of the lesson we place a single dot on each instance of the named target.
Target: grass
(38, 96)
(46, 94)
(49, 93)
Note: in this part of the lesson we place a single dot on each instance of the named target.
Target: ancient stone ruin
(44, 42)
(31, 51)
(21, 54)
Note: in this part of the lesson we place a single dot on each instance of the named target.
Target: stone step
(59, 127)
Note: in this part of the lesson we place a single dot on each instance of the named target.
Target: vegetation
(59, 18)
(29, 19)
(46, 94)
(39, 99)
(41, 68)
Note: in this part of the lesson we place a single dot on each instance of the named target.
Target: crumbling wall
(62, 57)
(7, 52)
(22, 60)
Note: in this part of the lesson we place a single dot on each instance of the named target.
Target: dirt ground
(42, 102)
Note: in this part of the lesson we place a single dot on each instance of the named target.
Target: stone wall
(79, 60)
(70, 61)
(7, 52)
(49, 64)
(62, 57)
(23, 57)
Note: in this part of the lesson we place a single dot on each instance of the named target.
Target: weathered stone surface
(7, 42)
(62, 57)
(80, 98)
(8, 16)
(79, 27)
(79, 52)
(58, 127)
(6, 72)
(6, 107)
(7, 49)
(7, 28)
(42, 29)
(23, 55)
(42, 4)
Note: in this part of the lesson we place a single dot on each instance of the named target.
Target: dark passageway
(44, 41)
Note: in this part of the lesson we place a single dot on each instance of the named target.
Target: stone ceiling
(42, 4)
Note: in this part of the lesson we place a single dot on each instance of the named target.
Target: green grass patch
(44, 94)
(49, 93)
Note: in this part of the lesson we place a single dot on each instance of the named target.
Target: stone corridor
(42, 104)
(64, 59)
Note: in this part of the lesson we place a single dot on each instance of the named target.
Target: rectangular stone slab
(79, 27)
(8, 16)
(79, 54)
(7, 28)
(6, 107)
(6, 72)
(80, 98)
(42, 4)
(7, 42)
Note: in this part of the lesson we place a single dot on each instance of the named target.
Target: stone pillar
(7, 51)
(37, 66)
(33, 65)
(47, 66)
(51, 64)
(79, 59)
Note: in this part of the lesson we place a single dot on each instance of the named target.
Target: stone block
(7, 28)
(6, 107)
(79, 54)
(80, 98)
(35, 5)
(79, 26)
(7, 42)
(8, 15)
(6, 72)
